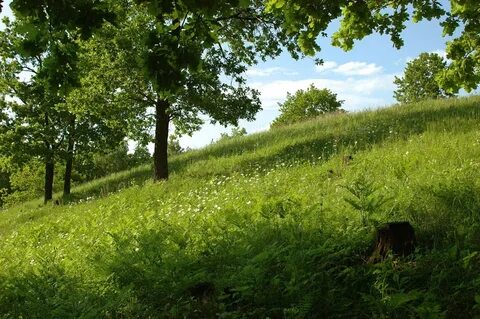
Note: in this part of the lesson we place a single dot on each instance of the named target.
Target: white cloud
(352, 68)
(327, 65)
(257, 72)
(357, 92)
(358, 68)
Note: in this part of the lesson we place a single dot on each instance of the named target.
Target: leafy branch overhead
(307, 20)
(254, 29)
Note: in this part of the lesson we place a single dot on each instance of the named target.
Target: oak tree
(36, 127)
(38, 69)
(172, 65)
(421, 79)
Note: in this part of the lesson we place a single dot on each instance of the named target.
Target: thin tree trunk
(67, 179)
(160, 159)
(49, 167)
(49, 173)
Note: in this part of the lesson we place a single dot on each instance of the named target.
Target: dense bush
(307, 104)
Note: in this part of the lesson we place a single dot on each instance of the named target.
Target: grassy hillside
(264, 226)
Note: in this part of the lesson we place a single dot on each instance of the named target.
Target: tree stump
(202, 291)
(397, 238)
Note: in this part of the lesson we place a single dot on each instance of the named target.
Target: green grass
(262, 226)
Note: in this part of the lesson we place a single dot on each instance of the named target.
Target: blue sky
(363, 77)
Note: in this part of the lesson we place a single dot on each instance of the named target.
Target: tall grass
(266, 226)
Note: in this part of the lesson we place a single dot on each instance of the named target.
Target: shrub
(307, 104)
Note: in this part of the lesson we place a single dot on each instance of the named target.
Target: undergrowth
(272, 225)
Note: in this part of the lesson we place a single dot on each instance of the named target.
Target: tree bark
(160, 159)
(67, 179)
(49, 166)
(397, 238)
(49, 173)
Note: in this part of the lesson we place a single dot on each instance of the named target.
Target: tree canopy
(306, 104)
(421, 79)
(297, 23)
(172, 59)
(307, 20)
(39, 68)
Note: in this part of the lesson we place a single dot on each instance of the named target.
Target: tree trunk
(49, 173)
(67, 179)
(160, 159)
(49, 166)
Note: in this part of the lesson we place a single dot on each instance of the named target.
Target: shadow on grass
(447, 214)
(286, 267)
(282, 261)
(111, 184)
(295, 144)
(364, 133)
(270, 268)
(50, 293)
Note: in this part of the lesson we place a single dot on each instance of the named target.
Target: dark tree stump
(397, 238)
(203, 300)
(202, 291)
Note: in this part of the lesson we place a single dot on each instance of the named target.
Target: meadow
(270, 225)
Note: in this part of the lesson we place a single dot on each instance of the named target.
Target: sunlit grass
(259, 226)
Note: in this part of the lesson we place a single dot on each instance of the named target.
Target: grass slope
(269, 225)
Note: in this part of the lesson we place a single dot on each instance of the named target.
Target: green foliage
(364, 197)
(307, 104)
(421, 79)
(305, 22)
(140, 156)
(464, 71)
(82, 16)
(259, 226)
(174, 147)
(236, 132)
(116, 160)
(26, 183)
(113, 160)
(5, 187)
(39, 69)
